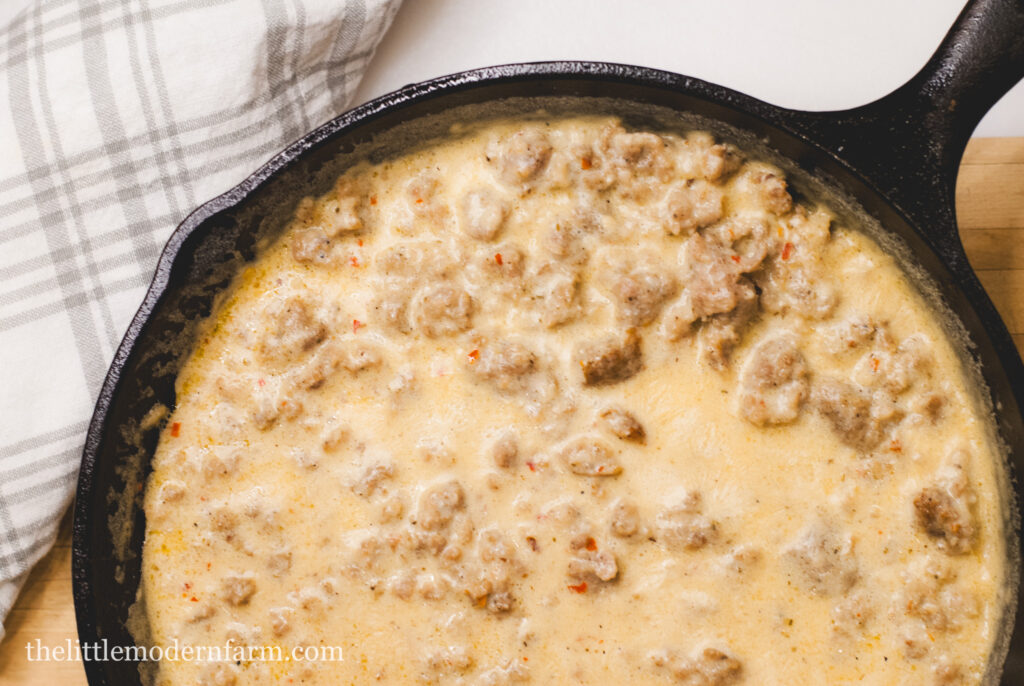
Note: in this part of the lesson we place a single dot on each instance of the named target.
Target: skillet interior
(207, 249)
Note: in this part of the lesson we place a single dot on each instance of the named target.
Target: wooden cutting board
(990, 200)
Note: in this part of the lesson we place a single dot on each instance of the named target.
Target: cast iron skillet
(897, 157)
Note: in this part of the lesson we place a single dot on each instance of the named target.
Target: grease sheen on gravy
(558, 402)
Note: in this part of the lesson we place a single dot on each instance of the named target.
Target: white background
(807, 54)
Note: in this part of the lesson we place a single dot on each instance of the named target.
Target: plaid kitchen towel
(117, 118)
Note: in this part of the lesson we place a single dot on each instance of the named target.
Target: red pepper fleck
(585, 163)
(579, 588)
(874, 363)
(354, 261)
(497, 258)
(187, 585)
(356, 325)
(194, 599)
(532, 466)
(419, 200)
(895, 445)
(261, 383)
(373, 199)
(787, 251)
(359, 242)
(735, 258)
(474, 355)
(176, 429)
(591, 544)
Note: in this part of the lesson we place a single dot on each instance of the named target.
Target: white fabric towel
(117, 118)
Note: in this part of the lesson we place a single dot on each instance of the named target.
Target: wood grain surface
(990, 207)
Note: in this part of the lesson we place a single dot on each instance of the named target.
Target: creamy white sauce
(457, 420)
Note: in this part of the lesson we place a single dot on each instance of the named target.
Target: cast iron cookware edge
(897, 156)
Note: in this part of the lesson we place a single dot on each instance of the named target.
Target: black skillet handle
(910, 142)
